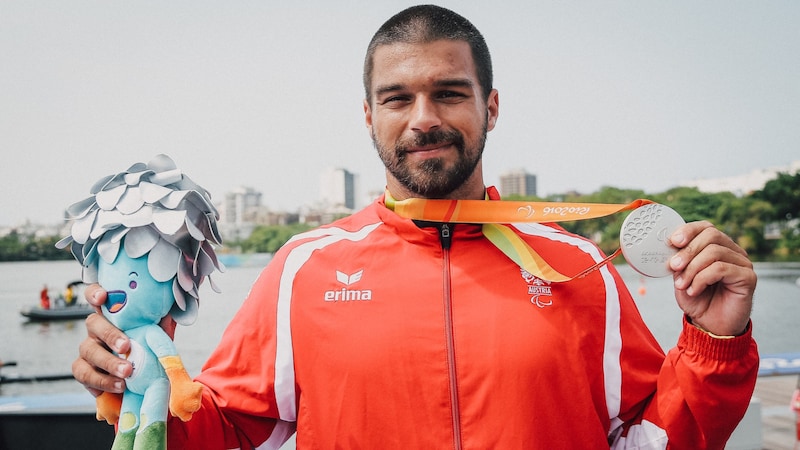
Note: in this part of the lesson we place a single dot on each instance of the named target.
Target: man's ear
(367, 114)
(493, 107)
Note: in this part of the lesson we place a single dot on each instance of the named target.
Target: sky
(637, 94)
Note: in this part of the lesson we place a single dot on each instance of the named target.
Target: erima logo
(346, 294)
(346, 279)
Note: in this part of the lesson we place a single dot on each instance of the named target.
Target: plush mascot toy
(147, 235)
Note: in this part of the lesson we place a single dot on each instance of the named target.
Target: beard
(432, 177)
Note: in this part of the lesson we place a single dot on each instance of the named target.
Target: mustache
(432, 138)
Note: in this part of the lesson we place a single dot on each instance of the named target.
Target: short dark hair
(428, 23)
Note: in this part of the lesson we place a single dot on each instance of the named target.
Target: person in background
(378, 331)
(69, 295)
(44, 298)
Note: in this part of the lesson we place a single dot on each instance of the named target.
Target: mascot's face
(134, 297)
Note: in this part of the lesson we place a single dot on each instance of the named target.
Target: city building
(517, 182)
(240, 205)
(337, 189)
(237, 212)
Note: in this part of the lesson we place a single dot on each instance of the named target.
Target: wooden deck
(778, 421)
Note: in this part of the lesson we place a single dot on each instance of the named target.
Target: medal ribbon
(493, 215)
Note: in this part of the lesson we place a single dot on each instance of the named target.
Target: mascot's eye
(132, 284)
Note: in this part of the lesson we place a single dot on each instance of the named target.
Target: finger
(97, 355)
(100, 329)
(688, 266)
(735, 278)
(684, 234)
(709, 246)
(700, 234)
(694, 280)
(93, 391)
(95, 295)
(96, 381)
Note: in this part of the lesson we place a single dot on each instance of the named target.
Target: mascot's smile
(116, 301)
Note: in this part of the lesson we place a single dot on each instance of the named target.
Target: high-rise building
(517, 182)
(239, 204)
(337, 188)
(237, 211)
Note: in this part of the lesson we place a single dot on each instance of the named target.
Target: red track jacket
(378, 333)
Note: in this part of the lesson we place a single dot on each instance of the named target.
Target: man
(383, 332)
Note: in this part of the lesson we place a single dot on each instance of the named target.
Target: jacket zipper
(446, 239)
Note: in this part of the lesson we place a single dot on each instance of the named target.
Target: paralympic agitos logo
(540, 290)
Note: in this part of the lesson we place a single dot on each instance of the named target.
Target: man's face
(428, 119)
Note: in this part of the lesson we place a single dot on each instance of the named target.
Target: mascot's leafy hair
(158, 211)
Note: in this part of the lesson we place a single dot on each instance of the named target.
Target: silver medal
(644, 239)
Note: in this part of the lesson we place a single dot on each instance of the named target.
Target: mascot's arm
(185, 394)
(108, 406)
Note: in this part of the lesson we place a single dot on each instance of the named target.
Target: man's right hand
(96, 367)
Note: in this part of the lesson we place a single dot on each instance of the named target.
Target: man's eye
(394, 99)
(451, 95)
(133, 284)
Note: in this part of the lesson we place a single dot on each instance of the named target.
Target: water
(51, 347)
(776, 307)
(47, 348)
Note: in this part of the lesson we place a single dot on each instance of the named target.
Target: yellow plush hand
(185, 394)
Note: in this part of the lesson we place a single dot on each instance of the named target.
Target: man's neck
(473, 192)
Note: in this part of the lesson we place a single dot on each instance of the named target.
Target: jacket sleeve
(702, 391)
(240, 404)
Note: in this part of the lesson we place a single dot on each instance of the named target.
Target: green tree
(783, 192)
(694, 205)
(16, 246)
(790, 241)
(743, 219)
(268, 239)
(11, 247)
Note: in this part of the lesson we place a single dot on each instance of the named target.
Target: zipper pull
(444, 236)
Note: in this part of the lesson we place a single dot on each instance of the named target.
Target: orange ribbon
(494, 214)
(482, 211)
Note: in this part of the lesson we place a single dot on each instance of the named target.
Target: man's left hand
(714, 279)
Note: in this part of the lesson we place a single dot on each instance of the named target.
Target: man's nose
(424, 115)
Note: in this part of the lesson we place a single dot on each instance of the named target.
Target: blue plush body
(136, 304)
